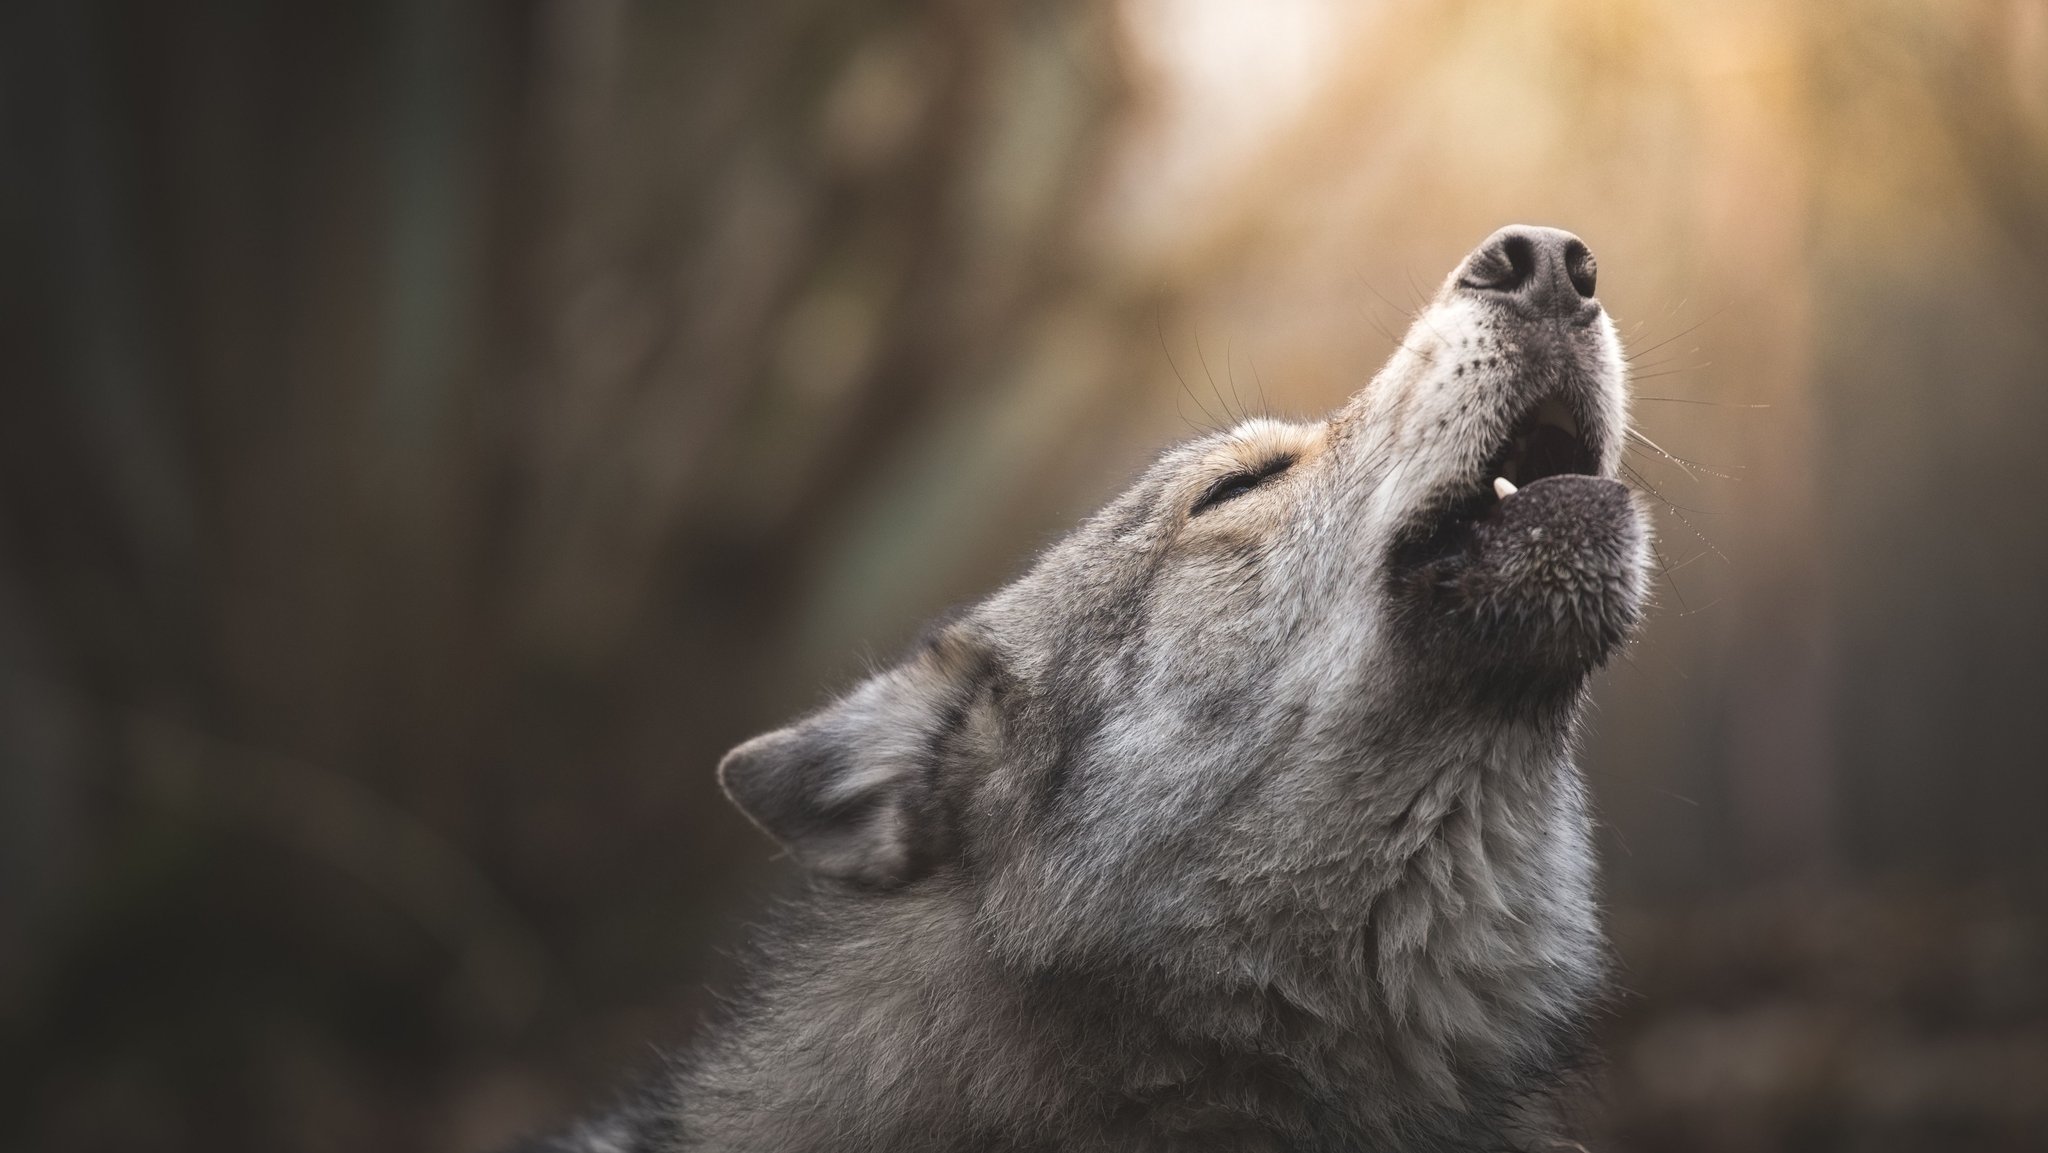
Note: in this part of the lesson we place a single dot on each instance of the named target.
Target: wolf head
(1297, 704)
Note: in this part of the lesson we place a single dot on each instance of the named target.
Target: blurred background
(432, 433)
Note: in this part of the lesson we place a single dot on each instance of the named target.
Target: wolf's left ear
(850, 790)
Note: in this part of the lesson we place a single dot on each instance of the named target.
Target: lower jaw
(1534, 594)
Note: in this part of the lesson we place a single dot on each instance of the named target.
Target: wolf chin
(1246, 819)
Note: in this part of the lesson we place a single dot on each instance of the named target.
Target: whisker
(1667, 372)
(1422, 311)
(1265, 406)
(1160, 329)
(1203, 358)
(1680, 461)
(1627, 850)
(1421, 297)
(1688, 400)
(1380, 327)
(1660, 451)
(1675, 667)
(1640, 479)
(1373, 318)
(1665, 570)
(1655, 684)
(1230, 377)
(1425, 354)
(1673, 509)
(1686, 561)
(1667, 501)
(1683, 332)
(1674, 358)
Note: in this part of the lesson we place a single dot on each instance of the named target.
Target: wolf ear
(850, 790)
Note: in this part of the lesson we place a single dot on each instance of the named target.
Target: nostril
(1503, 266)
(1580, 266)
(1521, 255)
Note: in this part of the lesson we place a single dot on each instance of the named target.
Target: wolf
(1246, 819)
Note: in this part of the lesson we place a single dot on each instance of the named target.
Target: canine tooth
(1503, 487)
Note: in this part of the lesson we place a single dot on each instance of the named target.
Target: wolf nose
(1541, 271)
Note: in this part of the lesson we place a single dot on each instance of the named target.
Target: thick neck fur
(1419, 958)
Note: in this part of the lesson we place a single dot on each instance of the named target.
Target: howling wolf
(1246, 819)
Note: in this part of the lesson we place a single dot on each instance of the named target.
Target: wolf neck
(1452, 941)
(1453, 950)
(1485, 934)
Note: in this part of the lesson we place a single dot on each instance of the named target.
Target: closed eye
(1239, 483)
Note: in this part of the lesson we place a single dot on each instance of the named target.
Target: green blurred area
(432, 433)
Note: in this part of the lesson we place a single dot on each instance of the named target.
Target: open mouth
(1545, 441)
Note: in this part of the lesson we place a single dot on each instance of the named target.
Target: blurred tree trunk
(432, 409)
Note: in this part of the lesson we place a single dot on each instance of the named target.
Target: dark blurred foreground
(430, 434)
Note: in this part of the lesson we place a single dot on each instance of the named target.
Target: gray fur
(1251, 829)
